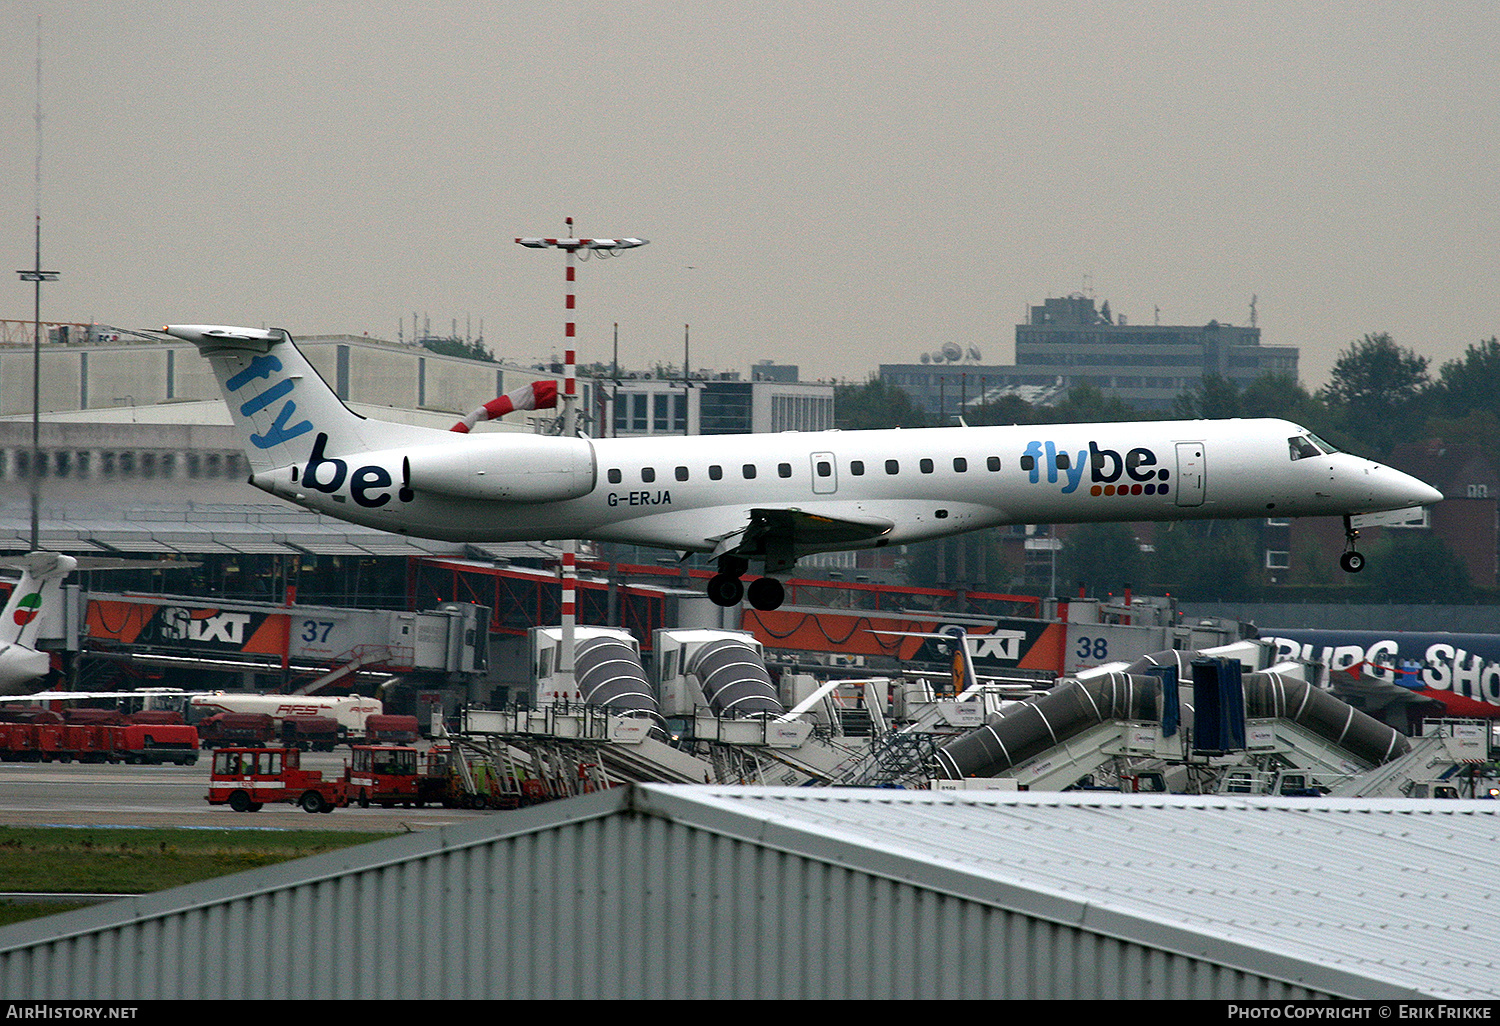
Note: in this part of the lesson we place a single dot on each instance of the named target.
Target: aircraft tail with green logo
(23, 668)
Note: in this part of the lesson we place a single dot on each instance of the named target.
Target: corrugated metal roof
(1392, 890)
(674, 891)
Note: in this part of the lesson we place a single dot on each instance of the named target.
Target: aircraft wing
(780, 535)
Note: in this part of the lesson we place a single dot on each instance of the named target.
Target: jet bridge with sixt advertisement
(296, 648)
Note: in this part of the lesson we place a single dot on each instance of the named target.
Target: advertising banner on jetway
(153, 625)
(302, 634)
(1004, 642)
(1461, 671)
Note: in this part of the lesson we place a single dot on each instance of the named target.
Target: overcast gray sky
(831, 184)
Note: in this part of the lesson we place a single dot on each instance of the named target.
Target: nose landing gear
(1352, 561)
(726, 589)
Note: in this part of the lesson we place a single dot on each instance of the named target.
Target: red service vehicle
(391, 730)
(245, 779)
(87, 742)
(232, 728)
(311, 733)
(389, 775)
(91, 735)
(156, 743)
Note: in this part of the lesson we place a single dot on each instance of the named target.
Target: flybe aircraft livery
(1462, 671)
(767, 498)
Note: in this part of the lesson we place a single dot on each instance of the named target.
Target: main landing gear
(1351, 561)
(726, 589)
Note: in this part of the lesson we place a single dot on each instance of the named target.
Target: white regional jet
(768, 498)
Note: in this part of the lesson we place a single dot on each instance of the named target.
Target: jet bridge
(1436, 758)
(1127, 719)
(723, 672)
(320, 646)
(607, 673)
(716, 697)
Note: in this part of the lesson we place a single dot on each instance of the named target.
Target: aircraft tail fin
(964, 677)
(39, 589)
(282, 406)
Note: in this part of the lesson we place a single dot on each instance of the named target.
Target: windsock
(539, 395)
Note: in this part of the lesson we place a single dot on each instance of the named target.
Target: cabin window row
(925, 466)
(823, 468)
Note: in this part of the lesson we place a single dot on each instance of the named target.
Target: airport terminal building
(1067, 341)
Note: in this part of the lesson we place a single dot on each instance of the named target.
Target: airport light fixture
(572, 246)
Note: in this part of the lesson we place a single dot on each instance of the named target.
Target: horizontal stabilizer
(212, 337)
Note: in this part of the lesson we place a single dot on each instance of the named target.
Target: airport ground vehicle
(245, 779)
(349, 711)
(233, 728)
(386, 729)
(44, 736)
(390, 775)
(311, 733)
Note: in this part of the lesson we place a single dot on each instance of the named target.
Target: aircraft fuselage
(681, 492)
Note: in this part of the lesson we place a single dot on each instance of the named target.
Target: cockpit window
(1302, 447)
(1327, 448)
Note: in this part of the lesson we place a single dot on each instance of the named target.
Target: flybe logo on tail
(282, 428)
(1108, 473)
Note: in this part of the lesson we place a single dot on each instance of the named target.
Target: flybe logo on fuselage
(1108, 473)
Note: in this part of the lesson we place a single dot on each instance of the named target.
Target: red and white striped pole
(571, 245)
(570, 429)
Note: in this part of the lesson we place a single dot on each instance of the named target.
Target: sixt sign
(999, 647)
(1107, 472)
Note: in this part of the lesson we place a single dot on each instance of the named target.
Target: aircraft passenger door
(825, 473)
(1191, 472)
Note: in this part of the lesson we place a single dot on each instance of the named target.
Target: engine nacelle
(505, 468)
(491, 468)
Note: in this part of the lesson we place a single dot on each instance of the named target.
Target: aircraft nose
(1408, 490)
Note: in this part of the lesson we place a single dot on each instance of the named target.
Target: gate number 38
(1093, 648)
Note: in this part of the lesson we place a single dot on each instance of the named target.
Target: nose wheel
(1351, 561)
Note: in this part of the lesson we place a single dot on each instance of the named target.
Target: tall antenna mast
(37, 275)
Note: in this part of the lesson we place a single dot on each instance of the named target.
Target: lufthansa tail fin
(282, 406)
(38, 590)
(964, 678)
